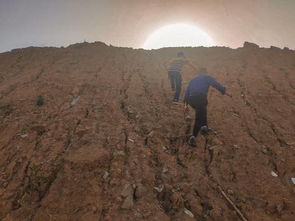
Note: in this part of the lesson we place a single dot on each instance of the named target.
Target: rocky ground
(89, 132)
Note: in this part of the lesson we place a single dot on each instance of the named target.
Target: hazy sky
(129, 22)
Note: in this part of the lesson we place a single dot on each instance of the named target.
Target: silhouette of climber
(174, 73)
(196, 97)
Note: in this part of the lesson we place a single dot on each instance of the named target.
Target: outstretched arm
(216, 85)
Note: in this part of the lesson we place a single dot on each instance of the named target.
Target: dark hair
(180, 54)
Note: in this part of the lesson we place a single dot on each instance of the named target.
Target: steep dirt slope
(89, 132)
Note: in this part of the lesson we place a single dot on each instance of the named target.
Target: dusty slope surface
(108, 144)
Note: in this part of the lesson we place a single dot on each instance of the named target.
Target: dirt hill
(89, 132)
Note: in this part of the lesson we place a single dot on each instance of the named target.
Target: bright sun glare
(178, 35)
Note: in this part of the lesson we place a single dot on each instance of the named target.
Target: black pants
(175, 80)
(199, 103)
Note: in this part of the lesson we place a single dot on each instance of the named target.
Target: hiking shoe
(205, 130)
(175, 101)
(192, 141)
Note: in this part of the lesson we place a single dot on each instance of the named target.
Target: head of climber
(180, 54)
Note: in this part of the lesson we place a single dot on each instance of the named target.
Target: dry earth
(89, 132)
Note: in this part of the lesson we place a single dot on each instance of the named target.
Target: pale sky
(129, 23)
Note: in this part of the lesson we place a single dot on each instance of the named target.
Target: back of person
(174, 73)
(177, 64)
(200, 85)
(196, 97)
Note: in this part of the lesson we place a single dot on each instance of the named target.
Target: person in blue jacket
(196, 97)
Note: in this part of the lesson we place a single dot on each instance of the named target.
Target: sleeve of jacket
(216, 85)
(186, 95)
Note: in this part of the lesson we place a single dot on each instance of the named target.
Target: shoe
(205, 130)
(192, 141)
(175, 101)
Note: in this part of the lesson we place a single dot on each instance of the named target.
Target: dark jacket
(200, 85)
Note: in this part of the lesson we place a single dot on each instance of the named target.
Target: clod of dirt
(127, 190)
(5, 109)
(165, 170)
(128, 203)
(265, 150)
(140, 191)
(39, 129)
(281, 207)
(40, 101)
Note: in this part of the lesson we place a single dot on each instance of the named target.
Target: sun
(178, 35)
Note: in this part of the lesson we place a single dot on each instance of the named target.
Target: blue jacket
(200, 85)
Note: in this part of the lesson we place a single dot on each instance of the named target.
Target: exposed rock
(250, 45)
(128, 193)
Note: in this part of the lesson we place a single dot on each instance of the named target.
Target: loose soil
(89, 132)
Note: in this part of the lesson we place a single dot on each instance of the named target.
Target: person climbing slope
(174, 73)
(196, 97)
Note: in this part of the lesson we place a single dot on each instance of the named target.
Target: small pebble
(131, 140)
(189, 213)
(105, 174)
(75, 100)
(165, 169)
(160, 188)
(274, 174)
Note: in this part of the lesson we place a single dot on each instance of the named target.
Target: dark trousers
(175, 80)
(199, 103)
